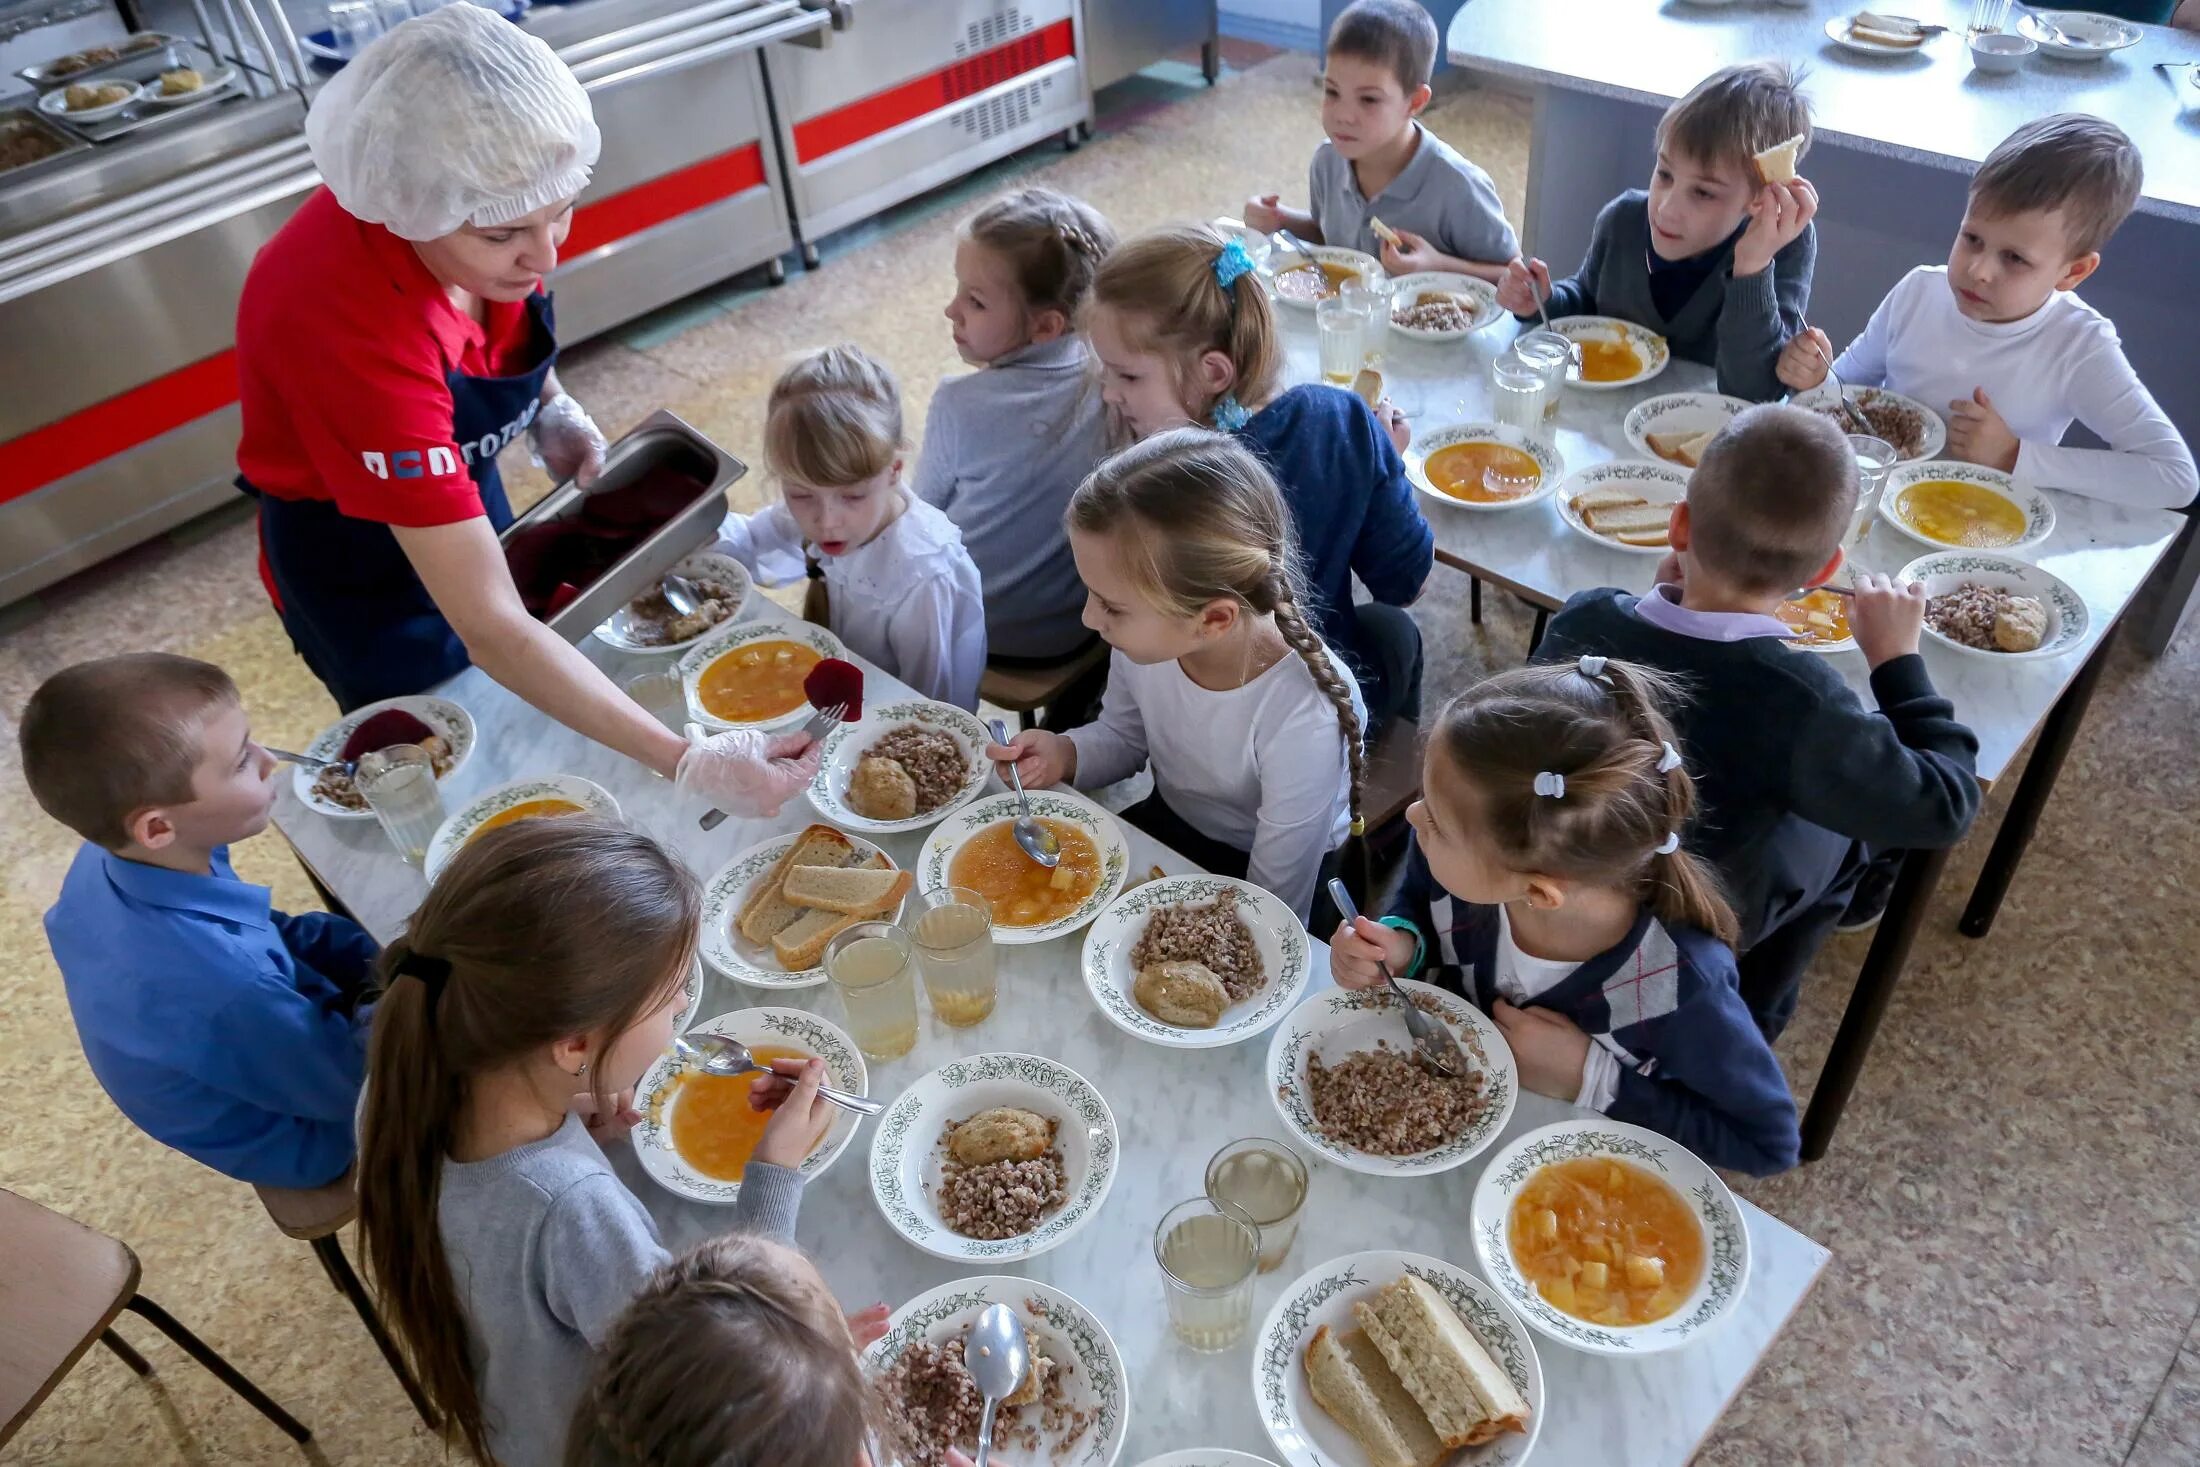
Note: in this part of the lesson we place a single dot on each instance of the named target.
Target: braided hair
(1052, 244)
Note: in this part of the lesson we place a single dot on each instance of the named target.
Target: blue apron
(352, 603)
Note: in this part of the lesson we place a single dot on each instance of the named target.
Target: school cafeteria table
(1172, 1116)
(2103, 551)
(1895, 140)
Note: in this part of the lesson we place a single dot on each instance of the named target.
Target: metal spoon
(1294, 244)
(1829, 588)
(997, 1353)
(348, 766)
(1038, 841)
(715, 1054)
(1849, 409)
(681, 594)
(1433, 1044)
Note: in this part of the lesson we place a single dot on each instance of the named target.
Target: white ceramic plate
(1337, 1022)
(1726, 1240)
(2085, 35)
(1837, 31)
(1678, 412)
(2038, 512)
(617, 629)
(454, 723)
(1285, 956)
(1281, 260)
(847, 744)
(1207, 1457)
(1066, 1330)
(1935, 435)
(56, 102)
(1801, 644)
(1258, 246)
(658, 1099)
(1303, 1432)
(1477, 297)
(726, 636)
(1651, 479)
(1650, 346)
(1434, 439)
(1944, 571)
(460, 828)
(936, 861)
(212, 84)
(906, 1150)
(727, 892)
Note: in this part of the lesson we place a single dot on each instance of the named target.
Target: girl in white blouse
(900, 589)
(1251, 724)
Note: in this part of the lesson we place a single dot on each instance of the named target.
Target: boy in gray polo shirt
(1383, 183)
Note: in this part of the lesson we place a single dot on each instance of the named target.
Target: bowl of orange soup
(1961, 506)
(1296, 283)
(698, 1132)
(976, 847)
(750, 675)
(1820, 621)
(1614, 353)
(1610, 1238)
(1482, 466)
(550, 797)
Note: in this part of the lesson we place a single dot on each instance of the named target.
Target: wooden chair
(316, 1216)
(1025, 690)
(62, 1285)
(1392, 782)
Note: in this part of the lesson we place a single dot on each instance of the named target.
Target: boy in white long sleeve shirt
(1998, 335)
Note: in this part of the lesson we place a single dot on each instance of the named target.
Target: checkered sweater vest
(1693, 1064)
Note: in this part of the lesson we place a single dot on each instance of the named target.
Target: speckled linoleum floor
(2010, 1203)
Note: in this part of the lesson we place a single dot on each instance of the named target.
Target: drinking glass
(953, 932)
(1266, 1180)
(1550, 354)
(399, 786)
(1875, 460)
(870, 968)
(1519, 393)
(662, 694)
(1209, 1252)
(1339, 324)
(1988, 16)
(1372, 296)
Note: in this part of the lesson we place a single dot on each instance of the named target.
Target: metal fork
(1854, 414)
(1433, 1044)
(820, 724)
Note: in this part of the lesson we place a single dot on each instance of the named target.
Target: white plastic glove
(746, 773)
(567, 441)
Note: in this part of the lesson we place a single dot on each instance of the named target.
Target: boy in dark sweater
(1714, 257)
(1802, 786)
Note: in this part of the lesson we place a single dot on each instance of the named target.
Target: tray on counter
(14, 119)
(225, 85)
(132, 64)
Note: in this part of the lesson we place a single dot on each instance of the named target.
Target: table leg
(2023, 817)
(1474, 599)
(1875, 981)
(2176, 584)
(1535, 636)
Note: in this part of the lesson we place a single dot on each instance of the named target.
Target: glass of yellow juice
(953, 932)
(869, 965)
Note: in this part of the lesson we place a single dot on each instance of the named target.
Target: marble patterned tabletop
(1926, 106)
(2103, 551)
(1174, 1109)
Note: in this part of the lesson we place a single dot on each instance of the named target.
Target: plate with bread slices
(1387, 1359)
(770, 911)
(1625, 504)
(1678, 426)
(1870, 33)
(697, 1131)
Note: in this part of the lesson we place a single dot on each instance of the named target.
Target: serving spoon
(1433, 1044)
(681, 594)
(715, 1054)
(997, 1353)
(1038, 841)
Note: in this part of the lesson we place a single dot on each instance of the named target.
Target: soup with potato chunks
(1023, 892)
(757, 680)
(1606, 1241)
(714, 1128)
(1608, 358)
(1822, 616)
(1469, 470)
(1305, 283)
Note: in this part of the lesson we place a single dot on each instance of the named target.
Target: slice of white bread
(856, 891)
(1348, 1379)
(1369, 385)
(767, 912)
(1465, 1394)
(1644, 537)
(1640, 517)
(1605, 499)
(1384, 232)
(1776, 164)
(1672, 447)
(802, 945)
(1886, 30)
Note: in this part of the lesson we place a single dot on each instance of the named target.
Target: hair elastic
(432, 972)
(1229, 414)
(1670, 844)
(1591, 665)
(1551, 785)
(1670, 760)
(1232, 264)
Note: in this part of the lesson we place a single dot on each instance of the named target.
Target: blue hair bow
(1232, 264)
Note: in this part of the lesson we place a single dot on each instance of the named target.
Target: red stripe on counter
(72, 444)
(843, 127)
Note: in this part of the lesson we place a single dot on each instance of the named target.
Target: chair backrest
(61, 1283)
(1393, 774)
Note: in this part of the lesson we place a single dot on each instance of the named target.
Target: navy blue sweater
(1351, 505)
(1695, 1066)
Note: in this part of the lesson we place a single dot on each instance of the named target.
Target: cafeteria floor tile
(2009, 1202)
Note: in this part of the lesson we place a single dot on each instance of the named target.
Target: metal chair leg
(1535, 637)
(331, 1254)
(219, 1368)
(1474, 599)
(122, 1348)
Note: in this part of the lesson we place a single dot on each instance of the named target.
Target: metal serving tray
(661, 442)
(41, 76)
(144, 113)
(27, 119)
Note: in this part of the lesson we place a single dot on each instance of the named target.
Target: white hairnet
(455, 117)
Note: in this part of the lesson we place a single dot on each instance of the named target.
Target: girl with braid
(536, 983)
(1252, 726)
(1548, 885)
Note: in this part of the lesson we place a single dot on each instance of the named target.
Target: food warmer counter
(122, 252)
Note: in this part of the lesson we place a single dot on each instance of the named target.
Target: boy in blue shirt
(221, 1027)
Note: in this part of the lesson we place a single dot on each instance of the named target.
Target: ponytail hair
(732, 1353)
(535, 932)
(1576, 774)
(1161, 292)
(1051, 243)
(1198, 519)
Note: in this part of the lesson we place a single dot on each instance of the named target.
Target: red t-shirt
(344, 342)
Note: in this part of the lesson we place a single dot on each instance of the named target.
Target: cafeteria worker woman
(391, 339)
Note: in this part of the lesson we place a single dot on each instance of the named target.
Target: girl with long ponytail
(536, 983)
(1549, 885)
